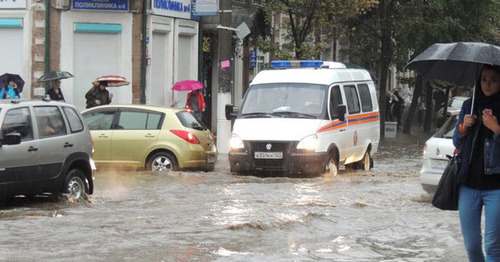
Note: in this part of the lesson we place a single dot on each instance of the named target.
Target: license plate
(439, 164)
(268, 155)
(211, 158)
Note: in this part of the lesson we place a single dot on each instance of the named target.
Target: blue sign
(253, 59)
(205, 7)
(113, 5)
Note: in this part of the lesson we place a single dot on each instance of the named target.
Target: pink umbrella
(187, 85)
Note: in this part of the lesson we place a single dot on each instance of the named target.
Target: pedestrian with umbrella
(477, 137)
(54, 77)
(55, 92)
(195, 100)
(11, 86)
(98, 95)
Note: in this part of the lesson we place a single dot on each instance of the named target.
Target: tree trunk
(385, 59)
(428, 108)
(413, 107)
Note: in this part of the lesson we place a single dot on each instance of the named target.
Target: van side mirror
(231, 114)
(13, 138)
(341, 110)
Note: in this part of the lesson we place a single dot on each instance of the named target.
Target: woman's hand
(469, 120)
(491, 121)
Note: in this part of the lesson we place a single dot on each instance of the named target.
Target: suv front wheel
(75, 184)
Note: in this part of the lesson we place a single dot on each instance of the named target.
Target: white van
(305, 120)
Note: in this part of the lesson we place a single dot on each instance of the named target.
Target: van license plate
(268, 155)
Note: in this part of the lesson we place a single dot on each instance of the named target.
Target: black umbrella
(457, 63)
(55, 75)
(5, 78)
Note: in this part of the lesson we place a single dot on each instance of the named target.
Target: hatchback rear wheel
(162, 162)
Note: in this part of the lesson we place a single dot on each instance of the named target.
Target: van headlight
(236, 143)
(308, 143)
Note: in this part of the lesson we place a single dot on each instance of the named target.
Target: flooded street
(378, 215)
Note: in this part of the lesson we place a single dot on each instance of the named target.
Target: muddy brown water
(377, 215)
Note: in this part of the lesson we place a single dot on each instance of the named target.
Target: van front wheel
(332, 166)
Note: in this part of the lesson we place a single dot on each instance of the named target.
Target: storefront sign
(205, 7)
(12, 4)
(108, 5)
(172, 8)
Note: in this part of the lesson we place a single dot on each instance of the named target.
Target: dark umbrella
(457, 63)
(54, 75)
(4, 81)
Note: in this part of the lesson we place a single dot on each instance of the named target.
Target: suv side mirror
(231, 114)
(341, 110)
(11, 139)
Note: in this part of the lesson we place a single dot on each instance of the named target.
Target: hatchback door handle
(31, 149)
(103, 136)
(67, 144)
(149, 135)
(341, 130)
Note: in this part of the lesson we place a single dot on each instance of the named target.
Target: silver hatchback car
(45, 147)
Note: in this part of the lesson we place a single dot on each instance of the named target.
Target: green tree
(308, 20)
(386, 35)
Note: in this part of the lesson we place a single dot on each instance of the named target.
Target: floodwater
(377, 215)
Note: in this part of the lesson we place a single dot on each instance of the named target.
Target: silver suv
(45, 147)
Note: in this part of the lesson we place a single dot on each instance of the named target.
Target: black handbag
(446, 196)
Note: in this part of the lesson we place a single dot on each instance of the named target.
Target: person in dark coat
(98, 95)
(397, 107)
(477, 137)
(55, 92)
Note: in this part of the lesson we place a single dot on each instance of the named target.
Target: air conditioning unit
(63, 4)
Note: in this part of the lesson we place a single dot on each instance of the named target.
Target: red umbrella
(113, 80)
(187, 85)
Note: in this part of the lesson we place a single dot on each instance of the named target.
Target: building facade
(91, 38)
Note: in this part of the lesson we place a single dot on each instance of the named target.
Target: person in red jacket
(196, 102)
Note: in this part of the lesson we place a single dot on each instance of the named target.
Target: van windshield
(289, 100)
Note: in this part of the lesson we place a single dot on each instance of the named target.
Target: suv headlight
(308, 143)
(236, 143)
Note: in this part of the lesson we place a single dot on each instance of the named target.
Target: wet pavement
(377, 215)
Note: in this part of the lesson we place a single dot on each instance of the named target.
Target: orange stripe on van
(353, 120)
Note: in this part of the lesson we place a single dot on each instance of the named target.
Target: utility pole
(225, 65)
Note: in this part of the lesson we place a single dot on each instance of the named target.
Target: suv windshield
(289, 100)
(447, 129)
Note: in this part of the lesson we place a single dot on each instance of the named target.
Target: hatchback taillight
(188, 136)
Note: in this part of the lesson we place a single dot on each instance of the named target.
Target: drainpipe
(47, 40)
(143, 62)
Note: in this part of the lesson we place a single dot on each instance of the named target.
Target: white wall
(68, 20)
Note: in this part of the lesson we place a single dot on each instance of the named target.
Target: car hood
(275, 129)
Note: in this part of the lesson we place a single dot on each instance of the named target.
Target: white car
(434, 157)
(454, 105)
